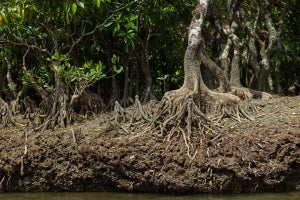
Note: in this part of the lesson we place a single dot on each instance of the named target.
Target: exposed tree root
(181, 119)
(119, 112)
(139, 113)
(56, 113)
(6, 114)
(225, 105)
(242, 93)
(247, 93)
(88, 103)
(61, 109)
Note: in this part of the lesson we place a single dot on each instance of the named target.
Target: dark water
(120, 196)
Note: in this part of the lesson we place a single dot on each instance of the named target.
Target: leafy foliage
(83, 36)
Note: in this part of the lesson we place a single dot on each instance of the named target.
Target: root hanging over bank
(180, 119)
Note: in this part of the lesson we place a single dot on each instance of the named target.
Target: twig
(207, 152)
(1, 183)
(22, 166)
(73, 135)
(219, 162)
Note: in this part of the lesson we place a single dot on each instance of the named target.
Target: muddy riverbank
(250, 156)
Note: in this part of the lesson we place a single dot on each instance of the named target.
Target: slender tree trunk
(125, 100)
(217, 72)
(273, 41)
(144, 59)
(10, 81)
(114, 96)
(235, 78)
(277, 81)
(188, 111)
(6, 115)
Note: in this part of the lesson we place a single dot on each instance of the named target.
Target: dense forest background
(78, 56)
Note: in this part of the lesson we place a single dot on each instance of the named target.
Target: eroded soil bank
(256, 156)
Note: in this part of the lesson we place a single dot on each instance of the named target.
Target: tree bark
(125, 100)
(144, 60)
(189, 111)
(273, 41)
(194, 98)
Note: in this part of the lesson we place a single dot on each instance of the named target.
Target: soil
(95, 155)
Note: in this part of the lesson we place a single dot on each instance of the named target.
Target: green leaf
(133, 17)
(121, 34)
(4, 17)
(74, 8)
(108, 24)
(131, 25)
(80, 4)
(98, 2)
(114, 59)
(12, 86)
(118, 71)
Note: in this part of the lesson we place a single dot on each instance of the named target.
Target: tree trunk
(273, 41)
(125, 100)
(6, 115)
(278, 88)
(144, 59)
(194, 100)
(235, 78)
(114, 94)
(193, 109)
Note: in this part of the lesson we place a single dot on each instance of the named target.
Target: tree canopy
(111, 51)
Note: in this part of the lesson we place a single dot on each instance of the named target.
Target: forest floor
(248, 156)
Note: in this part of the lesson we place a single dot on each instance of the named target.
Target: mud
(251, 156)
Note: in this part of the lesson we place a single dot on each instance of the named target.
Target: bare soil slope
(251, 156)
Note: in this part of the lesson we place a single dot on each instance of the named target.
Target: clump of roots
(182, 119)
(236, 112)
(179, 119)
(134, 118)
(225, 105)
(6, 116)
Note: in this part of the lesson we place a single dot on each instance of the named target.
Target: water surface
(120, 196)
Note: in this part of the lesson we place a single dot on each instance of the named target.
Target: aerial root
(187, 141)
(181, 120)
(136, 116)
(6, 115)
(119, 112)
(235, 112)
(139, 113)
(171, 116)
(139, 110)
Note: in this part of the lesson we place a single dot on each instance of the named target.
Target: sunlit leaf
(80, 4)
(108, 24)
(98, 2)
(131, 25)
(22, 13)
(74, 8)
(2, 14)
(133, 17)
(118, 70)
